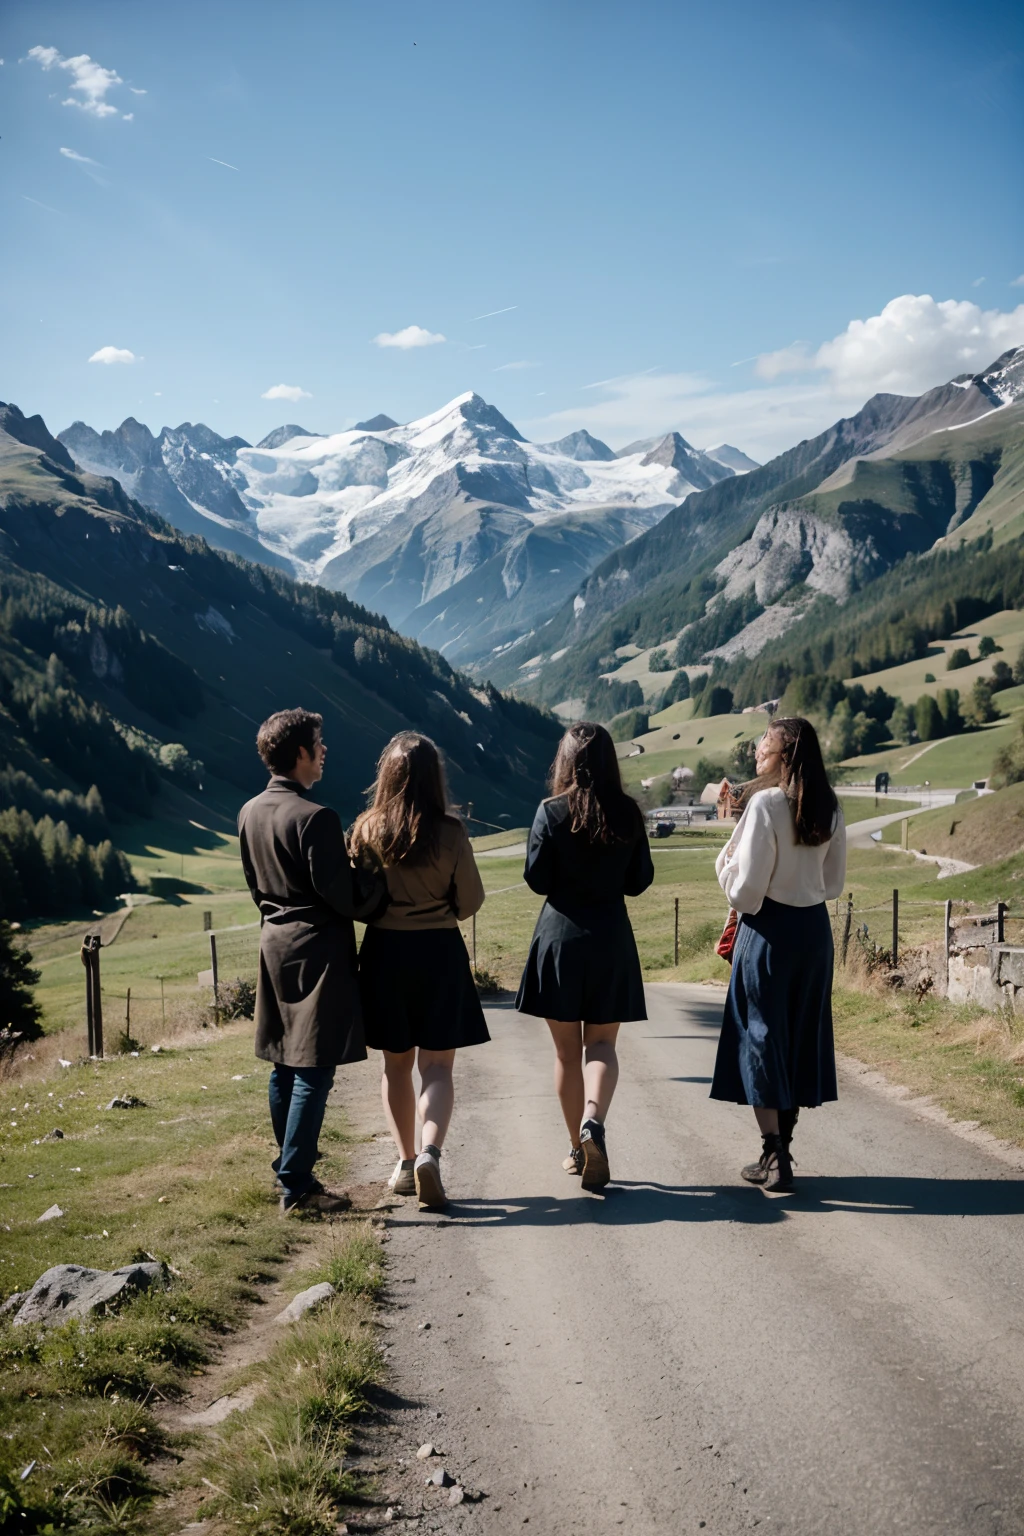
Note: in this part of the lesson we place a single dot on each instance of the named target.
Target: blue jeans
(298, 1098)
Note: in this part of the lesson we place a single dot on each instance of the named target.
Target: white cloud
(411, 336)
(137, 90)
(514, 367)
(226, 163)
(72, 154)
(286, 392)
(1018, 282)
(128, 117)
(90, 82)
(914, 344)
(113, 355)
(978, 281)
(492, 312)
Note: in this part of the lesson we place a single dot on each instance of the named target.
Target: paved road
(688, 1353)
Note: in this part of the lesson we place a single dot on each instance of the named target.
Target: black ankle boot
(787, 1125)
(774, 1168)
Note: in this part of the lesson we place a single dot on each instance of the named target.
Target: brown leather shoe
(317, 1201)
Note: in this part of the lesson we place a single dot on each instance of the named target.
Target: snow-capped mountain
(187, 474)
(454, 526)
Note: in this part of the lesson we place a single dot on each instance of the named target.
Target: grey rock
(55, 1135)
(50, 1215)
(442, 1478)
(128, 1102)
(426, 1451)
(12, 1303)
(71, 1290)
(457, 1495)
(306, 1301)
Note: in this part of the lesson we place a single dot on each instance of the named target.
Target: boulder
(71, 1290)
(305, 1302)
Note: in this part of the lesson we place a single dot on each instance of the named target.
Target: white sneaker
(429, 1188)
(402, 1181)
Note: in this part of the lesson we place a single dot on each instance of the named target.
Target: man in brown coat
(308, 1017)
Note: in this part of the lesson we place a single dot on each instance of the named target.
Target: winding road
(687, 1353)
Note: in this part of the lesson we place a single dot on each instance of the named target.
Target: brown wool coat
(298, 870)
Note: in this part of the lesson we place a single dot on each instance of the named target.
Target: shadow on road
(647, 1203)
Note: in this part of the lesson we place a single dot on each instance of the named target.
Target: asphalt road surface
(688, 1353)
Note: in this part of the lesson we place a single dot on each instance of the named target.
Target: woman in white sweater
(786, 858)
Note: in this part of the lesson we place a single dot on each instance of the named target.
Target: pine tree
(18, 1008)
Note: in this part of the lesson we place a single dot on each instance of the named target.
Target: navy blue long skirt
(776, 1049)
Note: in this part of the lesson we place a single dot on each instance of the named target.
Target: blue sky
(679, 209)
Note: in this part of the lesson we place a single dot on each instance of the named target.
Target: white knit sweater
(763, 858)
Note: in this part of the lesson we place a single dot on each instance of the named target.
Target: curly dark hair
(280, 737)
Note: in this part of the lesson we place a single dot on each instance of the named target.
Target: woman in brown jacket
(416, 985)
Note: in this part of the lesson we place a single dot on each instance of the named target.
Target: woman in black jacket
(587, 851)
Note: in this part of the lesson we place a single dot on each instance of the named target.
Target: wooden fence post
(895, 927)
(947, 938)
(1000, 922)
(676, 940)
(216, 978)
(93, 994)
(847, 924)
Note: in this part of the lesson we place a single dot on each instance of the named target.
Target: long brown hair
(409, 802)
(802, 775)
(587, 771)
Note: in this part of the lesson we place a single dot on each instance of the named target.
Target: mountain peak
(581, 446)
(282, 435)
(34, 433)
(474, 410)
(379, 423)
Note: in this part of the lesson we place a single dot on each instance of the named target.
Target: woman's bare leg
(568, 1039)
(399, 1099)
(767, 1121)
(437, 1095)
(600, 1070)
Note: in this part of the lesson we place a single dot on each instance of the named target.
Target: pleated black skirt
(417, 989)
(583, 964)
(776, 1049)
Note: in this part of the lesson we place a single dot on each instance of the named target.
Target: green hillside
(851, 530)
(140, 660)
(981, 831)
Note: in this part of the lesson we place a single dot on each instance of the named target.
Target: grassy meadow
(183, 1178)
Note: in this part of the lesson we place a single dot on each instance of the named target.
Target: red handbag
(727, 942)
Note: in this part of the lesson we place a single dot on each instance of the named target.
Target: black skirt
(775, 1050)
(417, 989)
(583, 965)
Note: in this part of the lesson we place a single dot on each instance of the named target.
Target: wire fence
(214, 973)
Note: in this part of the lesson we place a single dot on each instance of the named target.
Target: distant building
(724, 798)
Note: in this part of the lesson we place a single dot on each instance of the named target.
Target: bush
(980, 709)
(237, 999)
(677, 690)
(714, 700)
(1002, 677)
(929, 677)
(633, 722)
(658, 661)
(928, 719)
(987, 647)
(957, 659)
